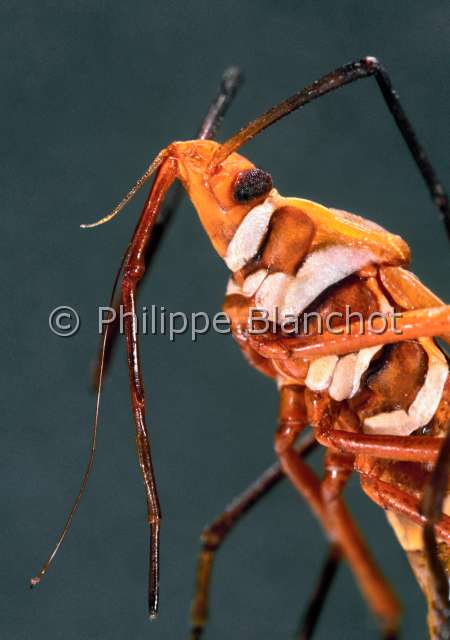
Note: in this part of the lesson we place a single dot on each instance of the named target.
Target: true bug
(379, 401)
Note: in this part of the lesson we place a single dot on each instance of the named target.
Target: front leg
(142, 442)
(408, 325)
(133, 272)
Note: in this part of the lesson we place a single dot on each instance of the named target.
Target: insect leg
(410, 448)
(311, 615)
(394, 499)
(229, 85)
(406, 325)
(338, 78)
(291, 422)
(390, 497)
(431, 507)
(428, 514)
(409, 292)
(215, 534)
(292, 418)
(133, 271)
(379, 595)
(327, 504)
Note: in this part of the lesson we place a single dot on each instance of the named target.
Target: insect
(377, 397)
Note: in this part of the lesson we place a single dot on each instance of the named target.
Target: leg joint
(134, 271)
(372, 64)
(286, 434)
(211, 538)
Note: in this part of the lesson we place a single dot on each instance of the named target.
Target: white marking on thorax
(320, 373)
(270, 295)
(232, 287)
(320, 270)
(397, 423)
(249, 235)
(351, 368)
(290, 295)
(253, 282)
(349, 371)
(342, 384)
(250, 286)
(427, 400)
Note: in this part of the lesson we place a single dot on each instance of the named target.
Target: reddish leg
(379, 595)
(431, 507)
(292, 421)
(409, 325)
(215, 534)
(390, 497)
(393, 448)
(133, 271)
(398, 448)
(410, 448)
(325, 501)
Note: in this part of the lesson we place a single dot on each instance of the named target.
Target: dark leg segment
(311, 616)
(431, 508)
(342, 76)
(215, 534)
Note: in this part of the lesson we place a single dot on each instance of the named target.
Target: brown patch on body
(351, 295)
(400, 373)
(289, 238)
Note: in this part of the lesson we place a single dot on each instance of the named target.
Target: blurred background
(90, 92)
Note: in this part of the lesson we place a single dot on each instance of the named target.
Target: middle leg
(379, 595)
(326, 502)
(215, 534)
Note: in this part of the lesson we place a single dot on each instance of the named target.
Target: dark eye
(251, 184)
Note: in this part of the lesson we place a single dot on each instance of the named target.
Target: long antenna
(38, 577)
(340, 77)
(155, 164)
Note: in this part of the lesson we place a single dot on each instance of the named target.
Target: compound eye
(251, 184)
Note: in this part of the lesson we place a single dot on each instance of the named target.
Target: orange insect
(377, 396)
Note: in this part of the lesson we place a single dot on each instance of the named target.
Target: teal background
(90, 92)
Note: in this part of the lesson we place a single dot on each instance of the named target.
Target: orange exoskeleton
(376, 394)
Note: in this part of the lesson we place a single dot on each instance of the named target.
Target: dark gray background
(90, 92)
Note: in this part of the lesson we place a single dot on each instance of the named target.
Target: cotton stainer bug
(378, 400)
